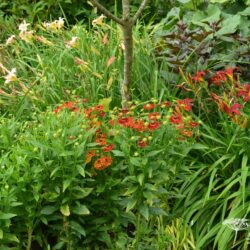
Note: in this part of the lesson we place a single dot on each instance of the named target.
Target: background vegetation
(78, 171)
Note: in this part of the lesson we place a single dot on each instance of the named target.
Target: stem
(29, 238)
(106, 12)
(128, 60)
(139, 11)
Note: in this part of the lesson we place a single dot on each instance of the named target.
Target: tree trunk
(127, 22)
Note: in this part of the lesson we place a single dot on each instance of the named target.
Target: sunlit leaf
(65, 210)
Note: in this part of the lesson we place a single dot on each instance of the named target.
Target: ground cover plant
(78, 170)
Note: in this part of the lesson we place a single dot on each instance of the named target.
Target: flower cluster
(140, 123)
(222, 88)
(55, 25)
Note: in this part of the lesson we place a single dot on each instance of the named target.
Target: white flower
(11, 77)
(26, 36)
(60, 23)
(23, 26)
(236, 224)
(73, 43)
(10, 40)
(98, 21)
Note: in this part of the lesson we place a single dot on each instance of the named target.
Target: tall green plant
(127, 22)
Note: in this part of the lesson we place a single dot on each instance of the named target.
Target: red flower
(57, 110)
(153, 125)
(102, 162)
(165, 104)
(101, 114)
(111, 122)
(154, 116)
(149, 106)
(199, 77)
(90, 155)
(219, 78)
(193, 124)
(68, 105)
(245, 92)
(126, 121)
(124, 111)
(176, 118)
(185, 104)
(139, 126)
(99, 107)
(235, 109)
(88, 111)
(187, 133)
(142, 144)
(101, 141)
(108, 148)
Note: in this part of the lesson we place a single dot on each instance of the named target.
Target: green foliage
(180, 181)
(211, 37)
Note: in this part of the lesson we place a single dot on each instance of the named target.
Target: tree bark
(128, 63)
(127, 22)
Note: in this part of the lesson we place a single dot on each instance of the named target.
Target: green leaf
(65, 210)
(219, 1)
(54, 171)
(136, 161)
(245, 12)
(47, 210)
(118, 153)
(1, 234)
(66, 184)
(81, 192)
(130, 190)
(59, 245)
(144, 211)
(81, 210)
(184, 1)
(229, 25)
(11, 237)
(154, 152)
(105, 102)
(77, 228)
(6, 216)
(131, 204)
(244, 175)
(140, 178)
(81, 170)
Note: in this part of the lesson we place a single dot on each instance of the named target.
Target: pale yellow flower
(10, 40)
(73, 43)
(11, 77)
(98, 20)
(43, 40)
(26, 36)
(54, 26)
(60, 23)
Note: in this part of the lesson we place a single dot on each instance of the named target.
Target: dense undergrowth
(77, 171)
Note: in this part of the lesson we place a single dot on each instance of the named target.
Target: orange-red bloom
(187, 133)
(185, 104)
(101, 141)
(99, 107)
(176, 118)
(90, 155)
(153, 125)
(108, 148)
(142, 144)
(149, 106)
(154, 116)
(102, 162)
